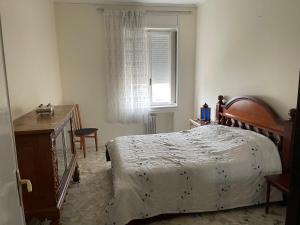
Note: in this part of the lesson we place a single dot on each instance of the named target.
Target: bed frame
(254, 114)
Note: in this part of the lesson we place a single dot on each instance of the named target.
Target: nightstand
(198, 123)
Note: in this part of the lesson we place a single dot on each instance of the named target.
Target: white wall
(81, 43)
(31, 54)
(248, 48)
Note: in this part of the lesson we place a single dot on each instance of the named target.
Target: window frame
(165, 106)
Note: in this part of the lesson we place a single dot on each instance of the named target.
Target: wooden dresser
(46, 157)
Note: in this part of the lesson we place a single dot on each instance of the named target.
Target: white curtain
(127, 73)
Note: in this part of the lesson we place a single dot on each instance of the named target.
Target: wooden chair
(281, 182)
(80, 133)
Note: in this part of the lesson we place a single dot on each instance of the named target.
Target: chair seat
(85, 131)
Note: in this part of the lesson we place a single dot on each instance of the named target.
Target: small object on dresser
(205, 113)
(197, 123)
(45, 111)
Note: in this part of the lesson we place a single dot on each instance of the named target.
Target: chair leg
(80, 143)
(268, 197)
(83, 146)
(72, 142)
(96, 141)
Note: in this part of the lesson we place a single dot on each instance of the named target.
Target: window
(163, 67)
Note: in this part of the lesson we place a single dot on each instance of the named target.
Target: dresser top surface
(31, 123)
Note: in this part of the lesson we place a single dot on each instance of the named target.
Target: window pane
(162, 66)
(161, 93)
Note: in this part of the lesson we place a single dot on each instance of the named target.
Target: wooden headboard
(254, 114)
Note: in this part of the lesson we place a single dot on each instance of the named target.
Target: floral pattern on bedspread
(207, 168)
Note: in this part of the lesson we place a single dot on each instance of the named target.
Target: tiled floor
(86, 201)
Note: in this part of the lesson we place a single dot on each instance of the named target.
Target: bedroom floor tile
(85, 201)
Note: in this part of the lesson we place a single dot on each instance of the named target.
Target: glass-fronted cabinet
(46, 157)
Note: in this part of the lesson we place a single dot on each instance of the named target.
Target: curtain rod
(100, 9)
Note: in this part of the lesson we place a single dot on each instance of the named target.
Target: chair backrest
(76, 122)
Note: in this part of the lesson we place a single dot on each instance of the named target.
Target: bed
(209, 168)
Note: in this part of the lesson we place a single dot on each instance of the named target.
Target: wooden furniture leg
(279, 181)
(76, 175)
(96, 141)
(72, 139)
(83, 146)
(268, 197)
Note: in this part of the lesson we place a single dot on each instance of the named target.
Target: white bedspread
(207, 168)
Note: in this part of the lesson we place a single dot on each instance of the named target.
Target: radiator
(151, 123)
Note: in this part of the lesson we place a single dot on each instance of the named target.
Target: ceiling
(178, 2)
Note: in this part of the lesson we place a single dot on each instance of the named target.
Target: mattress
(207, 168)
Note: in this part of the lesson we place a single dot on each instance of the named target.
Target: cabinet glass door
(63, 150)
(69, 153)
